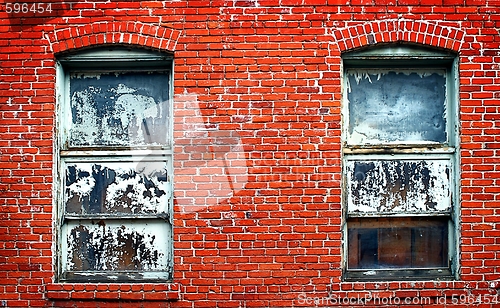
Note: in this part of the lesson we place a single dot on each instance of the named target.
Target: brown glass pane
(388, 243)
(430, 244)
(394, 247)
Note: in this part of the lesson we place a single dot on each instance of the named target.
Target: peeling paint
(406, 106)
(398, 186)
(119, 109)
(108, 245)
(116, 187)
(116, 171)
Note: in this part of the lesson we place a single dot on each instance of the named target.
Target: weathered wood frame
(96, 60)
(406, 56)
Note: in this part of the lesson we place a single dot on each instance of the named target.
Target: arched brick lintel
(429, 33)
(106, 33)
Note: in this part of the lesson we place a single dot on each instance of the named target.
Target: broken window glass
(403, 106)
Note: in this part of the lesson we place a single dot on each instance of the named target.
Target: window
(115, 166)
(399, 163)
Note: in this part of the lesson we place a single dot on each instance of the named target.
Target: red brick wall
(266, 76)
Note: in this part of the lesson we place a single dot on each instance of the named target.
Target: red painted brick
(270, 73)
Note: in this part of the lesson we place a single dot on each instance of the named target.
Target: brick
(270, 75)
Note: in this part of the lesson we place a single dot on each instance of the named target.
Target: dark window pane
(388, 243)
(396, 107)
(119, 109)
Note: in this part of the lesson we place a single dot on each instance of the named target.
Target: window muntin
(399, 153)
(115, 191)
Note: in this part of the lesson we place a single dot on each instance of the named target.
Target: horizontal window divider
(400, 156)
(382, 270)
(98, 65)
(117, 276)
(398, 150)
(105, 58)
(117, 153)
(164, 216)
(398, 214)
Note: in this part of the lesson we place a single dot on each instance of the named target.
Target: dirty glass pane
(388, 243)
(398, 186)
(405, 106)
(139, 187)
(112, 245)
(119, 109)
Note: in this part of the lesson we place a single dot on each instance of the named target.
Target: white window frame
(402, 57)
(107, 60)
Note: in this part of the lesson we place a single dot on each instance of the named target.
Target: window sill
(398, 275)
(113, 291)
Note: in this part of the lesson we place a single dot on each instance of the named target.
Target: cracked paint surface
(116, 188)
(119, 109)
(108, 245)
(398, 186)
(406, 106)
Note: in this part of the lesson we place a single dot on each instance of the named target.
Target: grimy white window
(115, 166)
(400, 154)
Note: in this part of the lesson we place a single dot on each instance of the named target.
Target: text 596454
(27, 8)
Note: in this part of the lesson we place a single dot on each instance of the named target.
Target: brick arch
(399, 30)
(125, 33)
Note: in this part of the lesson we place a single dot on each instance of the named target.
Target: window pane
(388, 243)
(398, 186)
(116, 187)
(119, 109)
(396, 106)
(112, 245)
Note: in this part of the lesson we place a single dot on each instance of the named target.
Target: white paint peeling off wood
(117, 187)
(116, 170)
(398, 186)
(143, 191)
(109, 245)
